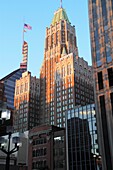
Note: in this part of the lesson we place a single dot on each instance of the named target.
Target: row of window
(39, 141)
(110, 78)
(39, 164)
(39, 152)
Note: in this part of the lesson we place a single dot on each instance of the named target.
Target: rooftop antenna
(60, 3)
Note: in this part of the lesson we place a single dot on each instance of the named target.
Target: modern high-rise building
(26, 102)
(65, 78)
(101, 33)
(81, 139)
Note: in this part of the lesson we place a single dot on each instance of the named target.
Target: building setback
(26, 102)
(47, 148)
(101, 33)
(65, 78)
(81, 138)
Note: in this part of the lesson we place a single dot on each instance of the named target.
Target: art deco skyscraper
(65, 78)
(101, 32)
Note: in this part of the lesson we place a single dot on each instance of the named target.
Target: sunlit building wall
(26, 102)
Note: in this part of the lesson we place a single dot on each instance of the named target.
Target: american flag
(27, 26)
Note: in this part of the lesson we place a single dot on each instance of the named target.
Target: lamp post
(8, 152)
(97, 161)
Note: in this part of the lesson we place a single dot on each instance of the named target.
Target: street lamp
(8, 152)
(97, 159)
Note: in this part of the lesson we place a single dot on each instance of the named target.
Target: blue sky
(38, 14)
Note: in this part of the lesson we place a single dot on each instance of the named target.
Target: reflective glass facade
(9, 86)
(83, 151)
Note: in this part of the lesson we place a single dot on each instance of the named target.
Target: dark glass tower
(81, 139)
(9, 84)
(101, 32)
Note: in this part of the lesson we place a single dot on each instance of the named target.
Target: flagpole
(23, 31)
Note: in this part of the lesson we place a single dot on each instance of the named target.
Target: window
(17, 90)
(110, 76)
(52, 39)
(26, 86)
(105, 128)
(63, 36)
(111, 95)
(57, 37)
(69, 69)
(100, 80)
(21, 88)
(58, 73)
(63, 71)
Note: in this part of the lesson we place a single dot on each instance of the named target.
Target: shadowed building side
(101, 33)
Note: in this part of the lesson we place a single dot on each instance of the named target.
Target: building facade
(81, 138)
(101, 33)
(26, 102)
(47, 148)
(2, 97)
(65, 78)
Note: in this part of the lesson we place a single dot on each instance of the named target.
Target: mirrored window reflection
(82, 136)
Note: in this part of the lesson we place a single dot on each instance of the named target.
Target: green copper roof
(60, 14)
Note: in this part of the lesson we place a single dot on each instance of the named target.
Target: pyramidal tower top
(60, 14)
(60, 36)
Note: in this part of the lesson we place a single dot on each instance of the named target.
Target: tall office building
(65, 78)
(101, 32)
(26, 102)
(81, 139)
